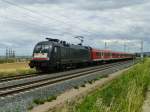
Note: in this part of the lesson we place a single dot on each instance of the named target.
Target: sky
(118, 23)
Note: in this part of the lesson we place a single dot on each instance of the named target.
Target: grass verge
(17, 72)
(11, 69)
(125, 94)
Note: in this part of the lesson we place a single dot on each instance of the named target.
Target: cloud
(109, 4)
(91, 5)
(28, 22)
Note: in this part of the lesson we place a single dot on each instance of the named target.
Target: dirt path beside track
(146, 106)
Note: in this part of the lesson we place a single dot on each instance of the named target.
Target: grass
(10, 69)
(30, 107)
(42, 101)
(7, 61)
(90, 81)
(76, 87)
(125, 94)
(51, 98)
(39, 101)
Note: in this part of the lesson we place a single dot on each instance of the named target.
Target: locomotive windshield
(42, 48)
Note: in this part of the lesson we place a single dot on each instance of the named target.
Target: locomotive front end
(41, 56)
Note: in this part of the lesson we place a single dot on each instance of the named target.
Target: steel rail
(15, 77)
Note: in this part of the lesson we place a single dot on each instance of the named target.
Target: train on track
(56, 54)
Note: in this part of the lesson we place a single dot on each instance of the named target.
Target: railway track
(18, 77)
(26, 86)
(9, 78)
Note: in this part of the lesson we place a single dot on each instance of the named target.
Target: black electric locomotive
(56, 54)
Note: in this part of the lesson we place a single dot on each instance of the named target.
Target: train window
(67, 52)
(55, 49)
(107, 54)
(111, 54)
(63, 52)
(42, 48)
(97, 54)
(102, 53)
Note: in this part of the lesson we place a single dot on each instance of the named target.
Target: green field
(19, 68)
(125, 94)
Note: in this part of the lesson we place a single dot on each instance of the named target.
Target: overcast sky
(23, 23)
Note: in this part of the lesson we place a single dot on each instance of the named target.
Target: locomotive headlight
(40, 55)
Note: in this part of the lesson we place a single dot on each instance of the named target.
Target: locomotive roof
(44, 42)
(67, 45)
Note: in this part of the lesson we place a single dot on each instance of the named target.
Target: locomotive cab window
(42, 48)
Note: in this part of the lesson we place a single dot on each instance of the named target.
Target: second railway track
(25, 86)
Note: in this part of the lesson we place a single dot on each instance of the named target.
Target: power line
(105, 45)
(142, 46)
(125, 46)
(10, 53)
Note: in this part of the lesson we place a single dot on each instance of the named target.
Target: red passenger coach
(101, 55)
(98, 55)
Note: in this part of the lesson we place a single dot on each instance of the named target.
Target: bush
(42, 100)
(39, 101)
(51, 98)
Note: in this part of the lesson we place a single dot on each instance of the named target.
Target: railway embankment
(66, 101)
(125, 94)
(123, 91)
(22, 94)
